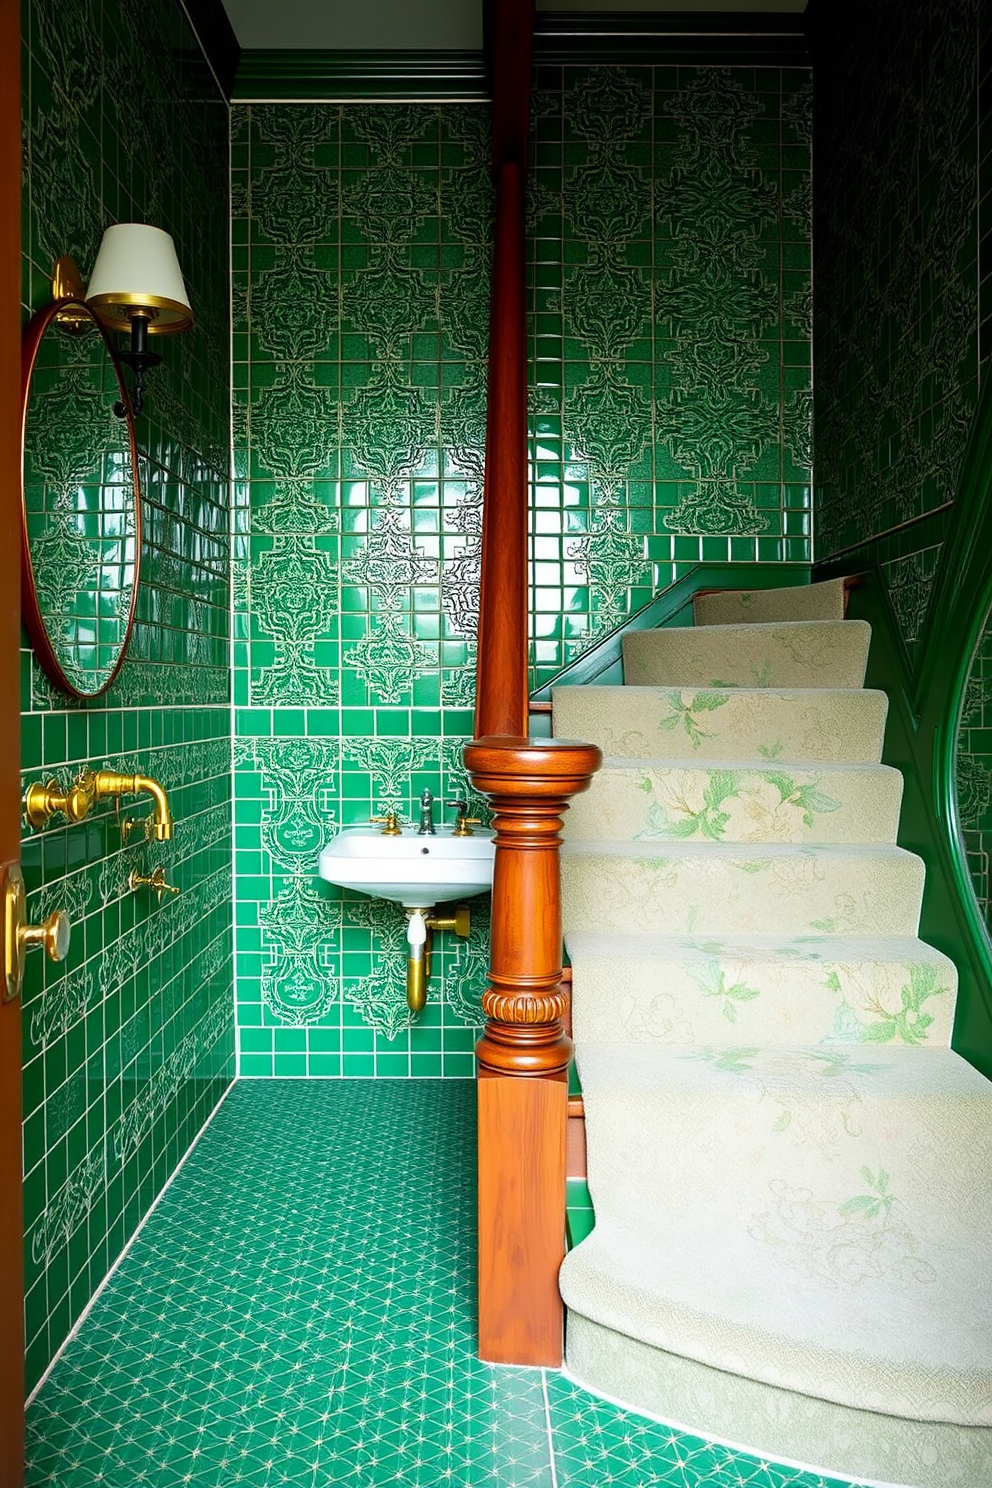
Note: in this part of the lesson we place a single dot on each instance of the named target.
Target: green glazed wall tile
(902, 322)
(358, 600)
(128, 1043)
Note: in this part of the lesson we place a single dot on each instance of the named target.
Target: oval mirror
(80, 500)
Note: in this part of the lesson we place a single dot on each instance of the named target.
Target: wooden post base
(522, 1217)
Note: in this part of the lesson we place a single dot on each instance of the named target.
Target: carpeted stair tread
(823, 601)
(838, 990)
(831, 1110)
(715, 887)
(812, 724)
(738, 801)
(817, 653)
(841, 1239)
(697, 1290)
(791, 1171)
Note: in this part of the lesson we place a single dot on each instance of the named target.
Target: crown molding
(352, 76)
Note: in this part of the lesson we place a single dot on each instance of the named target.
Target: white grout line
(547, 1421)
(127, 1248)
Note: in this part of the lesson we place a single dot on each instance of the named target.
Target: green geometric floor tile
(300, 1310)
(598, 1445)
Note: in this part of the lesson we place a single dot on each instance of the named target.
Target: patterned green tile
(358, 587)
(318, 1325)
(277, 1333)
(128, 1043)
(902, 323)
(895, 380)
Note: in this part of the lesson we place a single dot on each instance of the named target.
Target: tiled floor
(299, 1310)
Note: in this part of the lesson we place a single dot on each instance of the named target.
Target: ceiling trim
(751, 39)
(352, 77)
(723, 39)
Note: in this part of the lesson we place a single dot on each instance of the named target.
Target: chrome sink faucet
(426, 815)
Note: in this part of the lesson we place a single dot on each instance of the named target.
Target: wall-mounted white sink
(414, 871)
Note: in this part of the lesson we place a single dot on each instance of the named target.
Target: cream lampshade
(137, 273)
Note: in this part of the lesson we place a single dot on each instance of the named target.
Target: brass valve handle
(155, 881)
(43, 800)
(392, 826)
(463, 823)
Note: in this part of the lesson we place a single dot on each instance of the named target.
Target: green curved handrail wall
(924, 718)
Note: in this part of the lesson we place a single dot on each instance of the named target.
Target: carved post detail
(524, 1054)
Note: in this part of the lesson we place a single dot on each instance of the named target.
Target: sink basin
(414, 871)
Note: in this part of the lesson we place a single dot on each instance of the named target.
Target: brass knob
(53, 934)
(19, 936)
(464, 825)
(41, 801)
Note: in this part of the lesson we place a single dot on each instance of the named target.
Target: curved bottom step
(764, 1419)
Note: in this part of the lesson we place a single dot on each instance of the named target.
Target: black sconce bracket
(139, 359)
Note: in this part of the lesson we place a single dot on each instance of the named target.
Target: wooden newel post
(523, 1055)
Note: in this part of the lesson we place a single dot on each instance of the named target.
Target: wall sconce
(137, 286)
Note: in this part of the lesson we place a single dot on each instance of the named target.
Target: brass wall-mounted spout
(158, 826)
(41, 802)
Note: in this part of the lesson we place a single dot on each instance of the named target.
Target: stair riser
(699, 725)
(804, 893)
(820, 654)
(713, 998)
(806, 1163)
(865, 1445)
(822, 601)
(787, 803)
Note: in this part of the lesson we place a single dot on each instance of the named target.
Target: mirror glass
(81, 511)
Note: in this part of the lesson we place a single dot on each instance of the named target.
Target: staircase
(790, 1168)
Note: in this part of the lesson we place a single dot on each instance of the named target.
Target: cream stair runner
(791, 1170)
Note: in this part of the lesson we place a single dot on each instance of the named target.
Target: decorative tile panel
(902, 328)
(128, 1043)
(361, 295)
(670, 335)
(897, 234)
(360, 428)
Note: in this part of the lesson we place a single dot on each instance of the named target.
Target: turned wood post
(524, 1054)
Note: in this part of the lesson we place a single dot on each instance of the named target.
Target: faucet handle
(156, 881)
(391, 824)
(463, 823)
